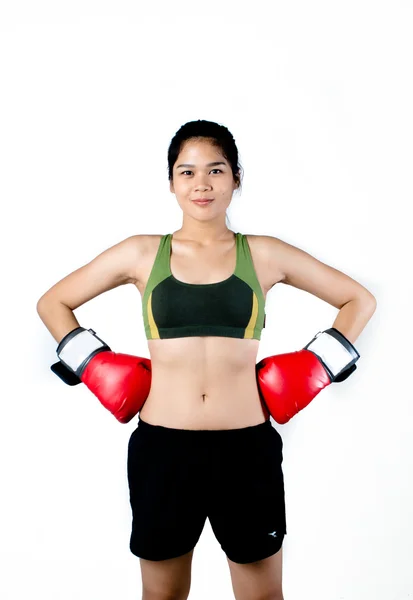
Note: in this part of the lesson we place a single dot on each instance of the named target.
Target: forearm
(57, 317)
(353, 317)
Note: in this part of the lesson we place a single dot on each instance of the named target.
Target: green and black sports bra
(232, 308)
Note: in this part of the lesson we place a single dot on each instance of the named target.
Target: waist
(182, 407)
(174, 432)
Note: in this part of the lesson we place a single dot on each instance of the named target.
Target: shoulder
(268, 251)
(146, 247)
(294, 266)
(283, 259)
(143, 244)
(264, 242)
(261, 242)
(271, 247)
(128, 255)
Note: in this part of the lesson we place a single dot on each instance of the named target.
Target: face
(199, 179)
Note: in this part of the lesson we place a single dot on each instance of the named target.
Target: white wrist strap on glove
(337, 354)
(78, 347)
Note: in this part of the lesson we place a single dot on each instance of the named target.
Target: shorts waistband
(250, 432)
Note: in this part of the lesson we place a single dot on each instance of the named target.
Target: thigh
(247, 513)
(168, 514)
(169, 578)
(261, 579)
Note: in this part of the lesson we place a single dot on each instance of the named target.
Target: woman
(204, 445)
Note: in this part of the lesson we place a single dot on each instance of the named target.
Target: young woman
(204, 445)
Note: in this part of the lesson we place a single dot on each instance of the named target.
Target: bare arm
(112, 268)
(58, 318)
(295, 267)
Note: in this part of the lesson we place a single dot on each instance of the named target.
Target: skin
(210, 382)
(203, 225)
(206, 382)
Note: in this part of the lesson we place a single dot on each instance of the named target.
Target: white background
(319, 97)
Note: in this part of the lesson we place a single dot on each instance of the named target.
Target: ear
(171, 187)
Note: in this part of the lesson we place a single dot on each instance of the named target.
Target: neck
(204, 233)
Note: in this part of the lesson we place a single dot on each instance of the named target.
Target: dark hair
(218, 135)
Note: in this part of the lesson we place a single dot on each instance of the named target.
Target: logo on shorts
(273, 533)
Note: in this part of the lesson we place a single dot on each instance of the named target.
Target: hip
(252, 444)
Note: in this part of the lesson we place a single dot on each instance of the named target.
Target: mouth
(203, 200)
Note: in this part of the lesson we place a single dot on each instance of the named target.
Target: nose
(202, 184)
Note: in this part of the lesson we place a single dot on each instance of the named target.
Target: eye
(183, 172)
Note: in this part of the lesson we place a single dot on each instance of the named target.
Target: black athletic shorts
(179, 477)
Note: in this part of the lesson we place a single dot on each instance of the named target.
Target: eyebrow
(212, 164)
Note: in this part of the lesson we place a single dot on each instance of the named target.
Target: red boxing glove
(120, 381)
(288, 382)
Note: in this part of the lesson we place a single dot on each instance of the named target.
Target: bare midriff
(203, 382)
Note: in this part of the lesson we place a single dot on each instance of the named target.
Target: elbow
(40, 305)
(366, 303)
(47, 304)
(43, 305)
(373, 302)
(369, 304)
